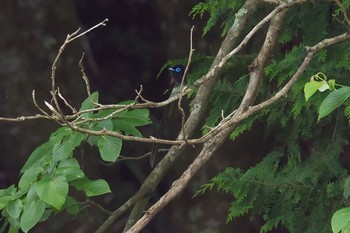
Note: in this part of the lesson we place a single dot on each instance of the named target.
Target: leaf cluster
(51, 170)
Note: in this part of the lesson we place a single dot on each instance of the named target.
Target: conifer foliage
(291, 187)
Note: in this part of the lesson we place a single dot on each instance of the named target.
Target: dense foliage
(300, 183)
(52, 170)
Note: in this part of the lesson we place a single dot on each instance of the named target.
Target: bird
(176, 76)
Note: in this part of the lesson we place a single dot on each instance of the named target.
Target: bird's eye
(178, 70)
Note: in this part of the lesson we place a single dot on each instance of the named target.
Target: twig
(74, 111)
(69, 38)
(37, 105)
(182, 112)
(86, 80)
(91, 202)
(122, 158)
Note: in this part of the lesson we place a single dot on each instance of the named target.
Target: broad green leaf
(31, 194)
(38, 155)
(71, 206)
(62, 151)
(106, 124)
(8, 191)
(71, 162)
(88, 104)
(53, 191)
(70, 173)
(135, 117)
(92, 140)
(32, 215)
(65, 149)
(126, 127)
(310, 89)
(92, 187)
(46, 215)
(333, 101)
(109, 148)
(59, 134)
(29, 176)
(340, 220)
(96, 187)
(14, 208)
(75, 139)
(7, 195)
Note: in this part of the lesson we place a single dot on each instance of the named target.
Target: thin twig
(37, 105)
(181, 110)
(123, 158)
(74, 111)
(71, 38)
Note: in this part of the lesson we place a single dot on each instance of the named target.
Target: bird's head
(177, 73)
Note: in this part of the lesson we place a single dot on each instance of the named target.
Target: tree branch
(214, 143)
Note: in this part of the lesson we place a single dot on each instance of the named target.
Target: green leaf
(136, 117)
(59, 134)
(62, 151)
(7, 195)
(29, 176)
(71, 206)
(53, 191)
(14, 208)
(109, 147)
(126, 127)
(333, 101)
(88, 104)
(106, 124)
(310, 89)
(70, 169)
(65, 149)
(92, 140)
(38, 155)
(32, 215)
(92, 187)
(340, 219)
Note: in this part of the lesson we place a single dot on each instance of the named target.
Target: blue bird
(176, 76)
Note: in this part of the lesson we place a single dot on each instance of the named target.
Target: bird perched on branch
(176, 76)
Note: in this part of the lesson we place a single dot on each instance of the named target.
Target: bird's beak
(171, 69)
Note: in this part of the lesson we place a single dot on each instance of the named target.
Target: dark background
(138, 39)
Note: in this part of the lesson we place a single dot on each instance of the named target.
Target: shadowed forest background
(138, 39)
